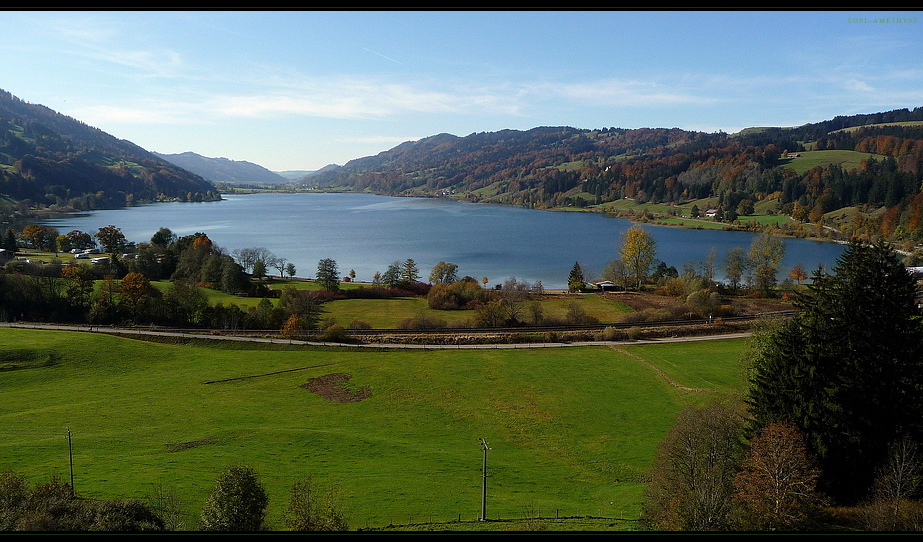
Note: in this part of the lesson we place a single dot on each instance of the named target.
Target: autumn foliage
(777, 489)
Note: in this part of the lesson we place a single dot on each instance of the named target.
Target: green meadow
(572, 431)
(844, 158)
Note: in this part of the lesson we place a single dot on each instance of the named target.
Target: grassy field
(809, 159)
(571, 430)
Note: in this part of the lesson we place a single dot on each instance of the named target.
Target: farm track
(508, 335)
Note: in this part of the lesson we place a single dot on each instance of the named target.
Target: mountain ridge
(50, 160)
(224, 170)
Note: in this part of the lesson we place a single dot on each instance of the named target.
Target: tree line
(831, 417)
(237, 502)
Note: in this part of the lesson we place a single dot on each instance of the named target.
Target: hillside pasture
(572, 430)
(845, 159)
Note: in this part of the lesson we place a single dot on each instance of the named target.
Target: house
(608, 286)
(711, 213)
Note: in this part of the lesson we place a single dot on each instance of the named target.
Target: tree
(328, 274)
(259, 269)
(76, 239)
(798, 274)
(637, 251)
(735, 266)
(745, 207)
(392, 275)
(615, 272)
(576, 281)
(279, 264)
(111, 238)
(40, 237)
(134, 291)
(186, 303)
(693, 473)
(78, 285)
(766, 253)
(290, 269)
(444, 273)
(310, 510)
(410, 274)
(237, 502)
(163, 238)
(9, 240)
(776, 490)
(512, 296)
(247, 257)
(847, 369)
(897, 481)
(304, 304)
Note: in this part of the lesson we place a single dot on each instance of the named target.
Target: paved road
(150, 332)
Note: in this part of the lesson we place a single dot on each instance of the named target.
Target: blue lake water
(366, 233)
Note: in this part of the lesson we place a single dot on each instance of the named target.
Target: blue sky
(303, 89)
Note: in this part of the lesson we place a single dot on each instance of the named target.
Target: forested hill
(49, 159)
(550, 167)
(223, 170)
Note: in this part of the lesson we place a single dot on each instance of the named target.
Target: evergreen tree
(410, 274)
(576, 281)
(848, 369)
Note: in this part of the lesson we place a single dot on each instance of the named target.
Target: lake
(366, 233)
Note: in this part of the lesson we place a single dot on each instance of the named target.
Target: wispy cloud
(625, 93)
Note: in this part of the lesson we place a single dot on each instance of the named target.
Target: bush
(335, 333)
(236, 503)
(359, 324)
(422, 322)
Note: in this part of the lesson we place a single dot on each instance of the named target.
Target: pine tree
(848, 369)
(576, 280)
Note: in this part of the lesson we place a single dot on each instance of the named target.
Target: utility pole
(486, 447)
(70, 454)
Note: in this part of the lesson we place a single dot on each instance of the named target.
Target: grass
(809, 159)
(571, 430)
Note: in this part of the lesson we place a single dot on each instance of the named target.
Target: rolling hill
(879, 166)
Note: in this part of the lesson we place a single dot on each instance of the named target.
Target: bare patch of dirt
(333, 388)
(180, 446)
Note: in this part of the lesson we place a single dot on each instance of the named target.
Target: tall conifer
(848, 369)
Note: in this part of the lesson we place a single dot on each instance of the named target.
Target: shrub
(236, 503)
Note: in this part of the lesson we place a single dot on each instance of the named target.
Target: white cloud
(624, 93)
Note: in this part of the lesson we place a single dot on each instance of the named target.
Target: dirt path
(659, 371)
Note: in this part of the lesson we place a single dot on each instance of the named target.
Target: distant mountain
(298, 175)
(50, 159)
(223, 170)
(295, 174)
